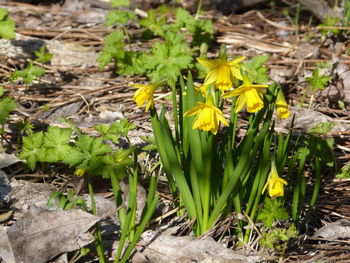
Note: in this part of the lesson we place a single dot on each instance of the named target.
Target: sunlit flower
(145, 93)
(203, 90)
(281, 106)
(275, 183)
(222, 72)
(208, 116)
(249, 94)
(80, 172)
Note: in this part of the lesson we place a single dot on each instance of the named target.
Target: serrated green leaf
(272, 210)
(31, 150)
(318, 81)
(28, 74)
(113, 49)
(42, 56)
(7, 29)
(84, 143)
(322, 128)
(74, 157)
(119, 16)
(56, 144)
(6, 106)
(256, 70)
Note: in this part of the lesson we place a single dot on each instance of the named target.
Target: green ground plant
(169, 56)
(31, 72)
(92, 156)
(211, 171)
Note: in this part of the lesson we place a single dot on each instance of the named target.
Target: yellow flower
(281, 106)
(203, 90)
(145, 93)
(80, 172)
(249, 94)
(222, 72)
(275, 183)
(208, 116)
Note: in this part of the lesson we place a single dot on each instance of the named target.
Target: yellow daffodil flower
(208, 116)
(249, 94)
(222, 72)
(281, 106)
(275, 183)
(145, 93)
(203, 90)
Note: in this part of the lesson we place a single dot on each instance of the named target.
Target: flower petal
(209, 64)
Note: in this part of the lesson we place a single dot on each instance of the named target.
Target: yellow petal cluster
(281, 106)
(145, 93)
(222, 72)
(275, 184)
(249, 94)
(208, 117)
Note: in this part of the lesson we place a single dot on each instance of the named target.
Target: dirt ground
(74, 87)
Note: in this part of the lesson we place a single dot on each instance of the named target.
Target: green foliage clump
(32, 72)
(85, 152)
(277, 238)
(271, 211)
(169, 56)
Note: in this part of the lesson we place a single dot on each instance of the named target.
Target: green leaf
(7, 26)
(151, 143)
(133, 63)
(42, 56)
(3, 13)
(31, 150)
(169, 58)
(107, 132)
(118, 3)
(56, 143)
(28, 74)
(74, 157)
(6, 106)
(113, 49)
(155, 21)
(256, 69)
(272, 210)
(322, 128)
(317, 81)
(119, 16)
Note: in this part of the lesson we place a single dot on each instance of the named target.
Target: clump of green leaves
(330, 22)
(85, 152)
(256, 69)
(7, 25)
(169, 56)
(32, 72)
(93, 156)
(272, 210)
(317, 81)
(277, 238)
(68, 201)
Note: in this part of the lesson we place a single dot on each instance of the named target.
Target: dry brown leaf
(165, 248)
(337, 230)
(42, 234)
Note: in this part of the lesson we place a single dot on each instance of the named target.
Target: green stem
(97, 234)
